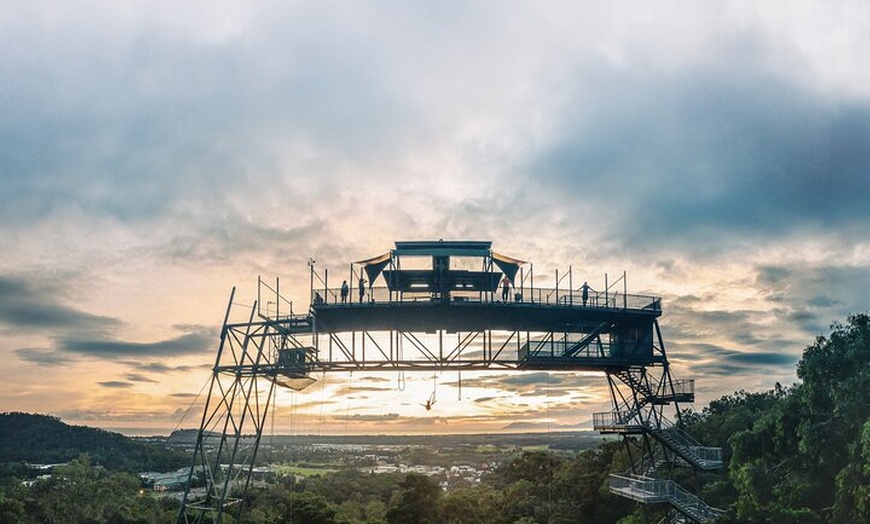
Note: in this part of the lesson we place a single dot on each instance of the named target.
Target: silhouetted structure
(430, 289)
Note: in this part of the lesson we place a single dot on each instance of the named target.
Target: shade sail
(496, 257)
(508, 265)
(374, 266)
(376, 260)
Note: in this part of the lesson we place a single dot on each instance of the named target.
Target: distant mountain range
(557, 438)
(43, 439)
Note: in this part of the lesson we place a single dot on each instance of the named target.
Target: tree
(416, 502)
(477, 505)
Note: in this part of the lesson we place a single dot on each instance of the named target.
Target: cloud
(730, 147)
(350, 390)
(715, 360)
(555, 384)
(46, 357)
(372, 418)
(161, 368)
(711, 142)
(24, 305)
(115, 384)
(136, 377)
(191, 343)
(541, 426)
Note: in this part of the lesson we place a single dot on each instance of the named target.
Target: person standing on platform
(344, 292)
(505, 288)
(362, 289)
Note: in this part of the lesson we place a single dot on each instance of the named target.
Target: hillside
(44, 439)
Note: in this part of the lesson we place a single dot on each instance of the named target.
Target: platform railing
(535, 296)
(615, 420)
(684, 386)
(558, 348)
(653, 491)
(646, 490)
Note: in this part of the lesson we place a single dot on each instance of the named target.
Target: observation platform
(463, 287)
(533, 309)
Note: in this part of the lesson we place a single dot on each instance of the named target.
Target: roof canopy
(441, 248)
(430, 248)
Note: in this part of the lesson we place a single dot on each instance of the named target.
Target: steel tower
(500, 320)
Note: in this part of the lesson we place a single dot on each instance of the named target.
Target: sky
(154, 155)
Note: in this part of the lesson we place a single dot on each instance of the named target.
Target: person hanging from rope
(429, 403)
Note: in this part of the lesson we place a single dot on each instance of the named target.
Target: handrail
(703, 453)
(623, 419)
(536, 296)
(649, 490)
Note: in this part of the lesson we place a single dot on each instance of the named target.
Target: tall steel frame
(404, 330)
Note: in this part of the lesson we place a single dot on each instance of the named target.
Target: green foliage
(800, 454)
(47, 440)
(416, 502)
(80, 493)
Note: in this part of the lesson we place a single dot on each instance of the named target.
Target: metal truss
(267, 349)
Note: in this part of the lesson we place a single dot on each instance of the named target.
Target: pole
(624, 290)
(311, 283)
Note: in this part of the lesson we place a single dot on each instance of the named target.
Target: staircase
(652, 491)
(682, 391)
(685, 447)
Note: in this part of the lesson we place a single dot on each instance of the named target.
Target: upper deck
(527, 309)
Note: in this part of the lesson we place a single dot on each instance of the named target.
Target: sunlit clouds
(153, 157)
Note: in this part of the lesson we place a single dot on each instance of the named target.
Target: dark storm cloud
(732, 148)
(190, 343)
(717, 360)
(810, 297)
(24, 305)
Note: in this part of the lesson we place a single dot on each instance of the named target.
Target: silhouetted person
(429, 403)
(505, 288)
(585, 290)
(344, 292)
(362, 289)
